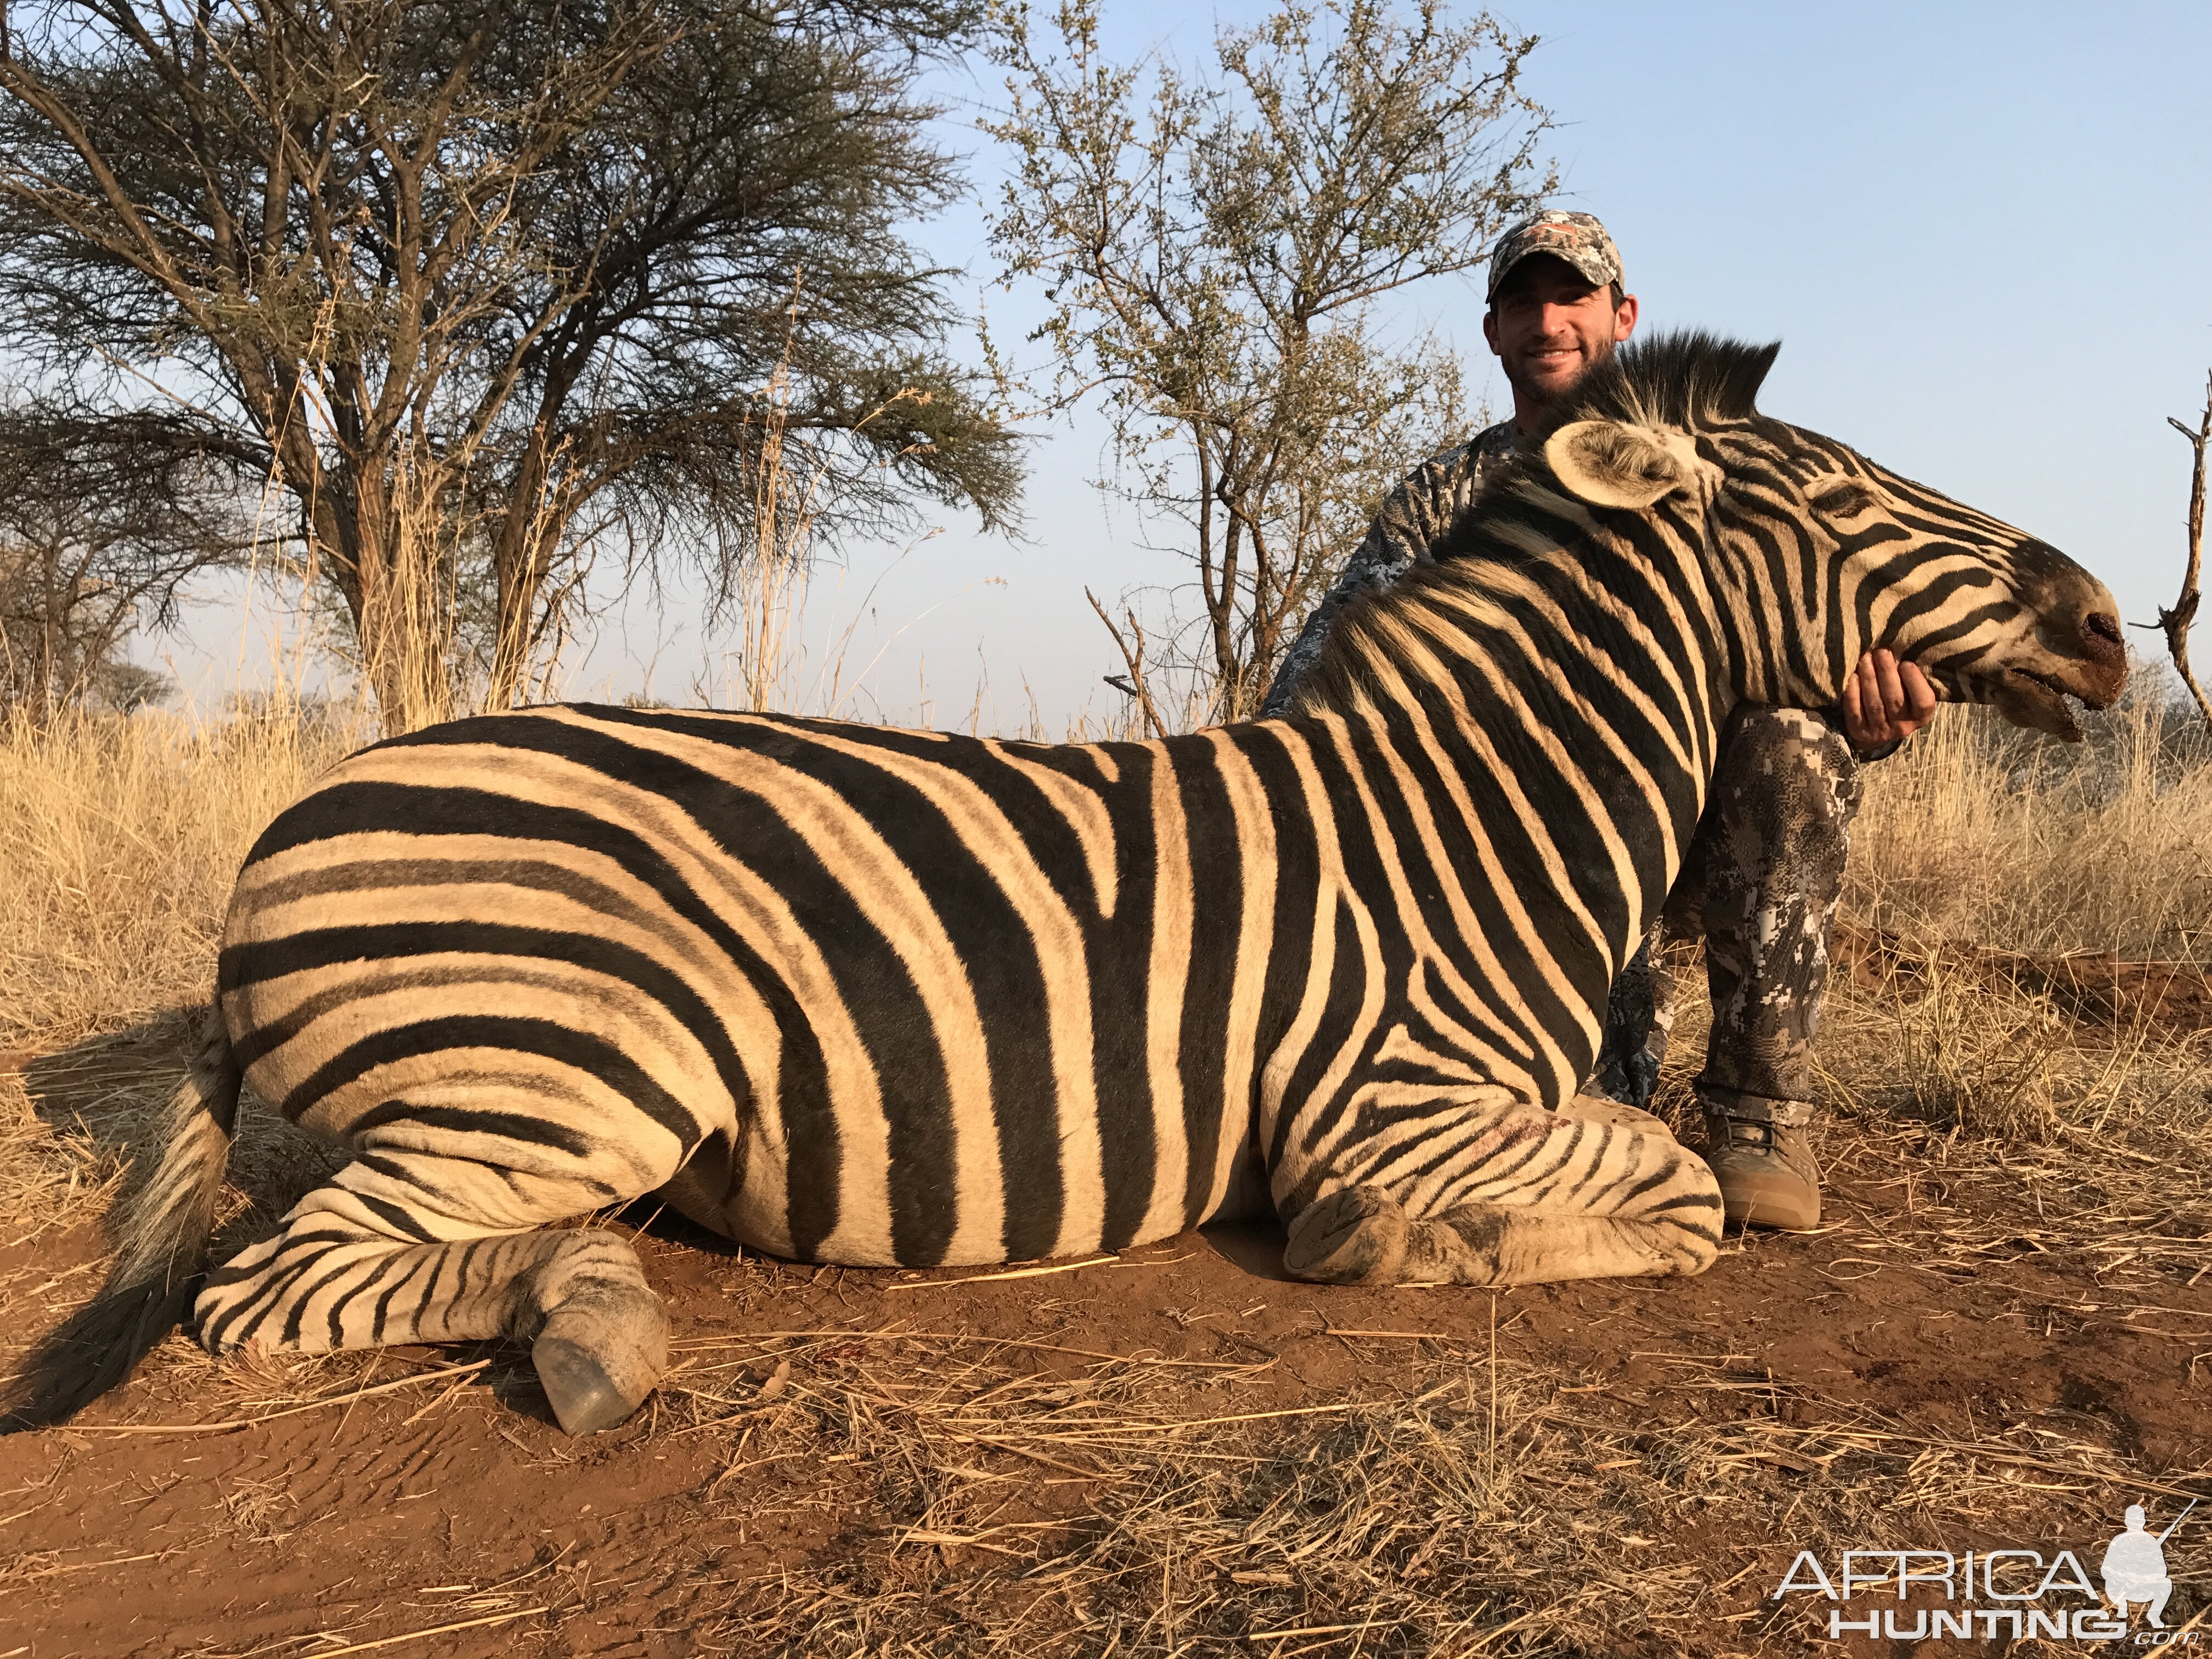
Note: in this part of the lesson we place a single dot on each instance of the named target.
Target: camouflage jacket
(1411, 521)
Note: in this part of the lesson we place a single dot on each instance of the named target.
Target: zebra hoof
(597, 1363)
(1357, 1236)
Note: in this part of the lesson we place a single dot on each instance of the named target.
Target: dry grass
(121, 840)
(1979, 833)
(1461, 1505)
(1136, 1505)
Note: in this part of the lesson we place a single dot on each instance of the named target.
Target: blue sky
(1984, 235)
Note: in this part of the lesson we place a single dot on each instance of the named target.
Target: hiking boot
(1758, 1151)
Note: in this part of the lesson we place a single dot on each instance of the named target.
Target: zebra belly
(691, 1199)
(745, 1202)
(546, 1080)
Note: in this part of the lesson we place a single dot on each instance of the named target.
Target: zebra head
(1815, 555)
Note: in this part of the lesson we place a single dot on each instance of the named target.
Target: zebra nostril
(2100, 635)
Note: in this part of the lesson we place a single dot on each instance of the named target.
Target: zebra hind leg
(358, 1265)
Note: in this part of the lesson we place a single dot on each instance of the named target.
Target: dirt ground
(1175, 1451)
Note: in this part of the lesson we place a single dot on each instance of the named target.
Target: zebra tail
(161, 1228)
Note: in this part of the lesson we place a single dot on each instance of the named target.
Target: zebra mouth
(2038, 702)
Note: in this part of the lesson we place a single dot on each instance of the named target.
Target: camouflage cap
(1576, 237)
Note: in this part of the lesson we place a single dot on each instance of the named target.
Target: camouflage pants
(1761, 880)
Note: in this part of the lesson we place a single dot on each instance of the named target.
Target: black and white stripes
(872, 996)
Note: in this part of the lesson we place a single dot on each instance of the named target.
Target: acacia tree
(482, 284)
(103, 518)
(1215, 249)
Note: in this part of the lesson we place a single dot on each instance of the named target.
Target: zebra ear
(1608, 464)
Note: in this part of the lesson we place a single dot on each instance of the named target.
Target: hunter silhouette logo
(2135, 1566)
(2013, 1592)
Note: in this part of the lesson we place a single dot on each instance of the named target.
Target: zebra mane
(1687, 378)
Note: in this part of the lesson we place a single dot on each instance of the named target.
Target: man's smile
(1552, 361)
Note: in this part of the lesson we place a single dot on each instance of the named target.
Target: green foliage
(1215, 250)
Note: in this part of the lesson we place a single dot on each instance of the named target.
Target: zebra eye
(1843, 499)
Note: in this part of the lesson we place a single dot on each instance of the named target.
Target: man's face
(1550, 325)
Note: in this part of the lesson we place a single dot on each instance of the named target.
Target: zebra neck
(1577, 700)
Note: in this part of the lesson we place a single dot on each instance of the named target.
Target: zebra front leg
(1564, 1198)
(372, 1260)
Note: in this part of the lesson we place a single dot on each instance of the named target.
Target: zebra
(880, 997)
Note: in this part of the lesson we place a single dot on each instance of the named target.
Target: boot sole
(1761, 1213)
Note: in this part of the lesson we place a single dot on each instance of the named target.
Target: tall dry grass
(1979, 833)
(117, 846)
(1976, 834)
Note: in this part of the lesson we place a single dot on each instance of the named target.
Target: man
(1764, 870)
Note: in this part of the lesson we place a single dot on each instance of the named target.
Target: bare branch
(1135, 685)
(2176, 621)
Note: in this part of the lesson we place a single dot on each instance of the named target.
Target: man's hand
(1886, 700)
